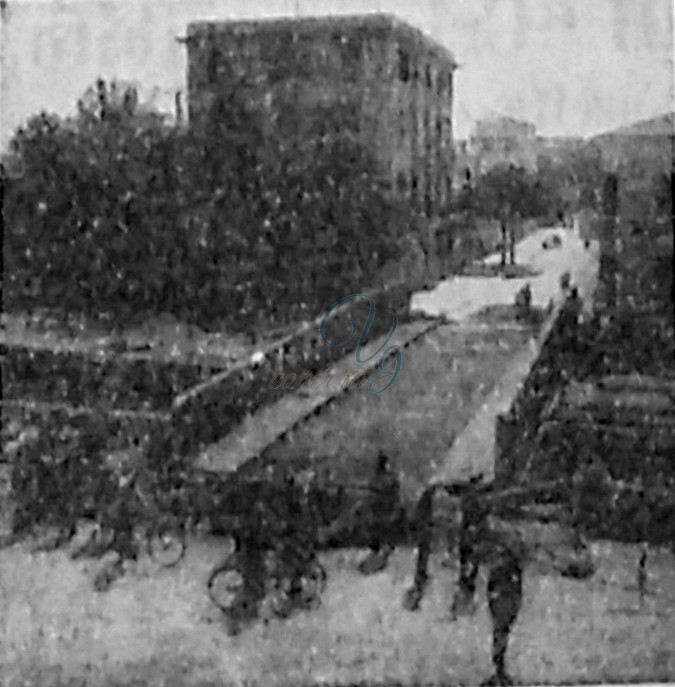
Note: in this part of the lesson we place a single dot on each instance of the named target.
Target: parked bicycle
(125, 506)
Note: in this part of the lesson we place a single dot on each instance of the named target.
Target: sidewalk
(263, 428)
(438, 422)
(159, 628)
(459, 297)
(474, 451)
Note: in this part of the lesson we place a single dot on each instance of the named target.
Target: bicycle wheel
(228, 590)
(313, 584)
(167, 546)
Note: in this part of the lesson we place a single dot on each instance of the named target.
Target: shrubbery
(116, 212)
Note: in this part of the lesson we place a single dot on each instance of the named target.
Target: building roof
(664, 125)
(386, 23)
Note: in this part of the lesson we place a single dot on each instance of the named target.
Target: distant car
(552, 242)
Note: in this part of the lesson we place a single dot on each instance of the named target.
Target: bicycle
(274, 556)
(164, 533)
(236, 589)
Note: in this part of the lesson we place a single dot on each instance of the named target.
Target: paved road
(437, 423)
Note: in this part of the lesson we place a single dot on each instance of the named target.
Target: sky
(571, 67)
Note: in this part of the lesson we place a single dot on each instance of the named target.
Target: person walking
(503, 242)
(472, 529)
(384, 515)
(505, 598)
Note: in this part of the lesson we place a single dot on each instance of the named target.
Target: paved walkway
(459, 297)
(474, 450)
(261, 429)
(456, 299)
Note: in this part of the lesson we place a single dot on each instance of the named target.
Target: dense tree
(118, 211)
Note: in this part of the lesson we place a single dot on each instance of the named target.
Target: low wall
(207, 412)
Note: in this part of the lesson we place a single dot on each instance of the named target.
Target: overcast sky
(572, 67)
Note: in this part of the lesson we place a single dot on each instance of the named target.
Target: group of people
(500, 550)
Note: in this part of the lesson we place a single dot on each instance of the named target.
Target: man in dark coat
(473, 527)
(481, 542)
(384, 515)
(504, 554)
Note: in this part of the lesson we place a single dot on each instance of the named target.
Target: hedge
(107, 381)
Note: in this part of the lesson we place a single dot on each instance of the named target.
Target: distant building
(508, 141)
(647, 144)
(642, 156)
(392, 86)
(503, 140)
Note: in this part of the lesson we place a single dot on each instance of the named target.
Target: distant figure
(565, 281)
(523, 303)
(423, 520)
(505, 598)
(570, 315)
(503, 244)
(474, 523)
(385, 515)
(642, 573)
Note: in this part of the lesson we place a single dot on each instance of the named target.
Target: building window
(212, 66)
(428, 75)
(439, 83)
(403, 66)
(428, 200)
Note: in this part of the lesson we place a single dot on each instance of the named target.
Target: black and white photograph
(337, 343)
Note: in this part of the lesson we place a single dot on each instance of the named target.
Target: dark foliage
(116, 212)
(561, 184)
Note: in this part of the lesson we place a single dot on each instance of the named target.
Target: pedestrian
(505, 598)
(472, 529)
(481, 542)
(423, 526)
(523, 303)
(642, 572)
(503, 241)
(384, 515)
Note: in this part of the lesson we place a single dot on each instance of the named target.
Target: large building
(371, 75)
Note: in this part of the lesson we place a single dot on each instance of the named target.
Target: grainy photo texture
(337, 342)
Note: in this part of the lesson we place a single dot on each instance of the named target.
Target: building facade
(377, 78)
